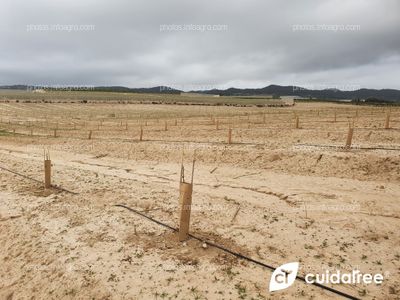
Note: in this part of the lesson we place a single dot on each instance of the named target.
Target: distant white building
(39, 91)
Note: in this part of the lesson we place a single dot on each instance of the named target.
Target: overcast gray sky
(258, 42)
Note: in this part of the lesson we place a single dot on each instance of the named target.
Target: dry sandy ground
(294, 200)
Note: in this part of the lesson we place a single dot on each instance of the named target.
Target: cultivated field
(276, 193)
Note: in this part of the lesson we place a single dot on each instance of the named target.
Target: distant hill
(277, 90)
(384, 94)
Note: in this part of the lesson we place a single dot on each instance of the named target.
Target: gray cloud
(258, 46)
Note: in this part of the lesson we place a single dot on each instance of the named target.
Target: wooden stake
(165, 126)
(90, 135)
(297, 122)
(349, 137)
(141, 133)
(55, 133)
(230, 136)
(47, 170)
(217, 126)
(387, 121)
(185, 202)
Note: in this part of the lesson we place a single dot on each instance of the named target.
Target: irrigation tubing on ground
(33, 179)
(352, 147)
(241, 256)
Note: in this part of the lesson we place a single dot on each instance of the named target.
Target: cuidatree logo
(283, 276)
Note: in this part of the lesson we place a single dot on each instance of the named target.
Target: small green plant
(362, 292)
(241, 291)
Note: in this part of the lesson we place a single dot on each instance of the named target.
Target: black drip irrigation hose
(239, 255)
(352, 147)
(38, 181)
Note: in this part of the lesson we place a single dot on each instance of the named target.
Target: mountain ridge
(275, 90)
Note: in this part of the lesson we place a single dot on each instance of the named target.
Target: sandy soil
(277, 194)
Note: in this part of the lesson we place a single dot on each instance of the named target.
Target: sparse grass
(5, 133)
(241, 290)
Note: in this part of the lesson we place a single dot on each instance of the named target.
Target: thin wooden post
(185, 202)
(90, 135)
(217, 126)
(349, 137)
(387, 121)
(264, 118)
(165, 126)
(334, 119)
(55, 133)
(230, 135)
(297, 122)
(126, 126)
(14, 132)
(141, 133)
(47, 170)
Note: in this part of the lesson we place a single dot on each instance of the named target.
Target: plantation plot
(278, 185)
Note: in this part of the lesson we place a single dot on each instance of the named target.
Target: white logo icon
(283, 276)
